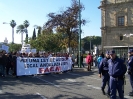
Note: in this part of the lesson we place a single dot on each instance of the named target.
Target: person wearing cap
(103, 70)
(117, 70)
(130, 69)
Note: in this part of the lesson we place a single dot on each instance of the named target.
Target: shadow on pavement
(31, 81)
(18, 96)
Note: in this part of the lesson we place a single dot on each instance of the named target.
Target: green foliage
(67, 21)
(84, 55)
(39, 31)
(34, 35)
(49, 42)
(14, 47)
(26, 39)
(66, 25)
(95, 40)
(12, 23)
(20, 29)
(26, 25)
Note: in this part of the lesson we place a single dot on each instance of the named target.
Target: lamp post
(79, 35)
(90, 43)
(128, 35)
(12, 32)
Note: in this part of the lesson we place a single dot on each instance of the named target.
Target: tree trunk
(26, 35)
(26, 38)
(12, 35)
(69, 46)
(22, 38)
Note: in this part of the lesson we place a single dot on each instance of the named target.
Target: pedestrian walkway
(76, 68)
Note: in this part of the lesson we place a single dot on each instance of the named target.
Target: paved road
(79, 84)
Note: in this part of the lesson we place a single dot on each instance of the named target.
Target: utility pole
(79, 36)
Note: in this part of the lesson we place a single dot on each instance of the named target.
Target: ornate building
(117, 24)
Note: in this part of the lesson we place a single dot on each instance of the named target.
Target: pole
(90, 45)
(79, 36)
(13, 35)
(128, 43)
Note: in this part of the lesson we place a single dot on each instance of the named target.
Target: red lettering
(41, 70)
(58, 68)
(46, 70)
(51, 68)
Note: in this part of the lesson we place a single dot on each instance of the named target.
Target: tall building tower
(117, 25)
(6, 41)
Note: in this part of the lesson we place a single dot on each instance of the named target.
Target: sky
(36, 11)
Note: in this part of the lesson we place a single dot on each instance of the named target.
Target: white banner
(30, 66)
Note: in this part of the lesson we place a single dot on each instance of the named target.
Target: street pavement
(76, 84)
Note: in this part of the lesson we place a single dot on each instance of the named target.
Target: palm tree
(21, 29)
(26, 24)
(12, 24)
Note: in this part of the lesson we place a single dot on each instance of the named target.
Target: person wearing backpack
(99, 60)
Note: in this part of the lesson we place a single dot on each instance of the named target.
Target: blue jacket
(117, 68)
(130, 63)
(99, 59)
(103, 65)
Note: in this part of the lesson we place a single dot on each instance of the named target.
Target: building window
(121, 21)
(121, 37)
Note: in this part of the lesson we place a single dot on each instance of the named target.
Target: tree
(12, 24)
(47, 42)
(39, 29)
(34, 35)
(66, 22)
(26, 25)
(95, 40)
(14, 47)
(21, 29)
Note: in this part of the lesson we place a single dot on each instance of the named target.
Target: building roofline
(116, 46)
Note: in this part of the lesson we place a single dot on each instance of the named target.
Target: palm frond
(21, 29)
(26, 23)
(12, 23)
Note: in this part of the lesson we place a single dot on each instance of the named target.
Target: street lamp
(90, 43)
(12, 32)
(128, 35)
(79, 35)
(5, 23)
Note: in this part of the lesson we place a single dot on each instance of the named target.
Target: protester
(88, 61)
(95, 60)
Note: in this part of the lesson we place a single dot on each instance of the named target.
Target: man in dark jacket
(130, 69)
(82, 59)
(14, 59)
(1, 65)
(117, 70)
(4, 62)
(103, 69)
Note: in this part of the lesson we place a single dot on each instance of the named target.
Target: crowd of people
(8, 60)
(111, 68)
